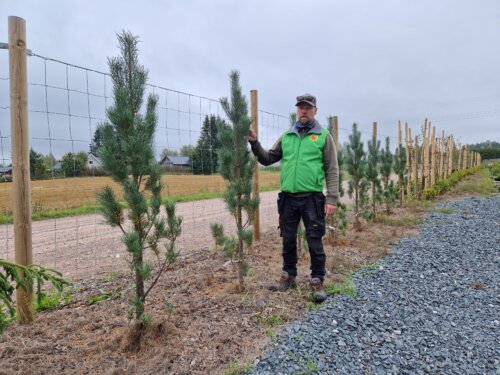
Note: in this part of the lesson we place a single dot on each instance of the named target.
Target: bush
(494, 169)
(430, 193)
(443, 186)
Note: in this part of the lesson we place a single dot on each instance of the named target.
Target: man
(309, 158)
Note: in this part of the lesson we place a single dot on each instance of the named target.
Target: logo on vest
(313, 138)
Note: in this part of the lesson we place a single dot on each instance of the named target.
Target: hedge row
(443, 186)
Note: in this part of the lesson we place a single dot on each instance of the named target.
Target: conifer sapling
(127, 154)
(236, 166)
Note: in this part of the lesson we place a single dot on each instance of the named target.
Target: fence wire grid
(66, 103)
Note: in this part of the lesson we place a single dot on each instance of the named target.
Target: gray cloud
(364, 60)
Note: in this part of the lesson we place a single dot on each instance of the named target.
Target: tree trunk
(374, 204)
(240, 250)
(357, 224)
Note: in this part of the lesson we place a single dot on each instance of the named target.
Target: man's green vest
(302, 167)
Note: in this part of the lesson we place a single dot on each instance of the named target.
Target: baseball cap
(306, 98)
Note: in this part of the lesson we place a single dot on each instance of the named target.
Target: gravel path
(431, 307)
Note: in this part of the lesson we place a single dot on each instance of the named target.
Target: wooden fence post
(20, 159)
(460, 157)
(335, 127)
(450, 155)
(415, 168)
(423, 157)
(408, 166)
(254, 108)
(443, 152)
(400, 157)
(433, 157)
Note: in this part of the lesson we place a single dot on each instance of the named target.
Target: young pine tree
(339, 219)
(355, 160)
(236, 167)
(127, 154)
(388, 188)
(372, 172)
(400, 170)
(337, 223)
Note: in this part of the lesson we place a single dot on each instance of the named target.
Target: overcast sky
(364, 60)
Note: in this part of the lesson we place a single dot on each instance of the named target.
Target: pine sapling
(236, 167)
(388, 188)
(400, 170)
(372, 174)
(337, 223)
(355, 161)
(127, 154)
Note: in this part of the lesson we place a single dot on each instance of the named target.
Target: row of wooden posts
(428, 158)
(434, 159)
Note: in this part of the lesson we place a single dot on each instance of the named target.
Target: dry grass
(65, 193)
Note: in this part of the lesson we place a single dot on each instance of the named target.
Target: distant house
(5, 170)
(57, 167)
(176, 163)
(93, 162)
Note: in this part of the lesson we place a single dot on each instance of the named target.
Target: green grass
(371, 266)
(347, 288)
(236, 368)
(93, 208)
(54, 214)
(273, 320)
(479, 183)
(312, 305)
(408, 220)
(111, 276)
(308, 366)
(52, 299)
(418, 205)
(271, 332)
(106, 295)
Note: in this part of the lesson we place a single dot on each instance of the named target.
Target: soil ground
(201, 324)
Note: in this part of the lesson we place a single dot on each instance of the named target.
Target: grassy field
(72, 196)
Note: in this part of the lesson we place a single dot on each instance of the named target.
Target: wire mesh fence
(66, 104)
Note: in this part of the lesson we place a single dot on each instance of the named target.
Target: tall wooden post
(400, 157)
(433, 157)
(408, 166)
(254, 109)
(438, 159)
(423, 157)
(441, 174)
(415, 168)
(20, 159)
(450, 155)
(465, 158)
(336, 132)
(460, 157)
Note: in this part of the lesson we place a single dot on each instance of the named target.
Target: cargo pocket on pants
(317, 220)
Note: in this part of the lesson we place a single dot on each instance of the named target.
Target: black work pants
(311, 209)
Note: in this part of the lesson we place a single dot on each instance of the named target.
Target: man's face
(306, 113)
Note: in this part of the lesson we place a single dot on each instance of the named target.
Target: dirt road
(83, 246)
